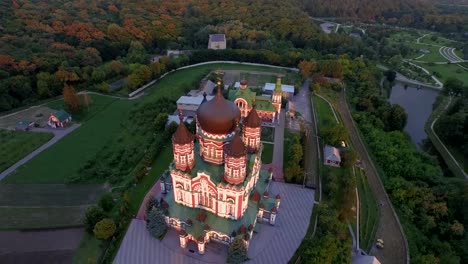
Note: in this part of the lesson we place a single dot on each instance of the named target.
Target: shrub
(106, 202)
(237, 252)
(93, 215)
(104, 229)
(156, 224)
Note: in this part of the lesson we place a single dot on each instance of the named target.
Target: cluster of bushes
(293, 155)
(145, 126)
(430, 206)
(98, 220)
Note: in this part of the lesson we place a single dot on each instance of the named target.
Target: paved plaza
(272, 244)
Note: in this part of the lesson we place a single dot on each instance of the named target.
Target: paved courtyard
(272, 244)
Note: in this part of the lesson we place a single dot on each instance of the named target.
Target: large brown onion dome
(218, 116)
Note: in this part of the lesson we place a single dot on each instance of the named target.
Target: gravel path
(58, 134)
(389, 229)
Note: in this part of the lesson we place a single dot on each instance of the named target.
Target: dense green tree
(334, 134)
(93, 215)
(160, 122)
(237, 252)
(155, 223)
(137, 53)
(395, 118)
(453, 86)
(106, 202)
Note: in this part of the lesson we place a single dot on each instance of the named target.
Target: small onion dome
(278, 196)
(256, 196)
(261, 206)
(243, 229)
(201, 239)
(189, 221)
(243, 82)
(252, 119)
(182, 233)
(182, 135)
(236, 148)
(265, 194)
(274, 210)
(218, 116)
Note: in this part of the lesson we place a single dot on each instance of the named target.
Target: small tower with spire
(236, 160)
(183, 147)
(252, 130)
(277, 95)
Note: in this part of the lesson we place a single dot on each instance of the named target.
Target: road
(58, 134)
(449, 54)
(389, 229)
(302, 103)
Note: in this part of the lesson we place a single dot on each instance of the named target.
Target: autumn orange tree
(71, 99)
(306, 68)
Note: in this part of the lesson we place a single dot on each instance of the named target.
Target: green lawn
(267, 154)
(324, 113)
(41, 217)
(172, 86)
(66, 157)
(97, 104)
(433, 56)
(447, 71)
(89, 250)
(61, 194)
(15, 145)
(369, 212)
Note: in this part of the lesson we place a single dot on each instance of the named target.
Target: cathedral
(219, 190)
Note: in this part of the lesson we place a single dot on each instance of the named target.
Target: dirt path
(389, 229)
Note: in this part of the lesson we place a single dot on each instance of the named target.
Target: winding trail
(389, 229)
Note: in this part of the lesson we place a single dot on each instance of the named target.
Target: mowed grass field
(65, 158)
(15, 145)
(324, 113)
(33, 206)
(41, 217)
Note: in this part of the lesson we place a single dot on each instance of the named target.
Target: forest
(438, 15)
(430, 205)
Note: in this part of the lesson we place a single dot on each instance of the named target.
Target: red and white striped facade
(251, 137)
(227, 198)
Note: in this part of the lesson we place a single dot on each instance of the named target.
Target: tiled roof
(331, 153)
(252, 119)
(62, 115)
(217, 37)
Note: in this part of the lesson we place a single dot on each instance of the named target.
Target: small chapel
(268, 107)
(219, 191)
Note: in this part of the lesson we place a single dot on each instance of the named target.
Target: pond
(418, 105)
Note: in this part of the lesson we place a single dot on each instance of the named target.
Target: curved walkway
(389, 229)
(58, 134)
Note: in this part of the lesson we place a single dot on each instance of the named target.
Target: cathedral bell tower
(183, 147)
(277, 95)
(236, 160)
(252, 130)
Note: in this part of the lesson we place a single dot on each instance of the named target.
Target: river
(418, 105)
